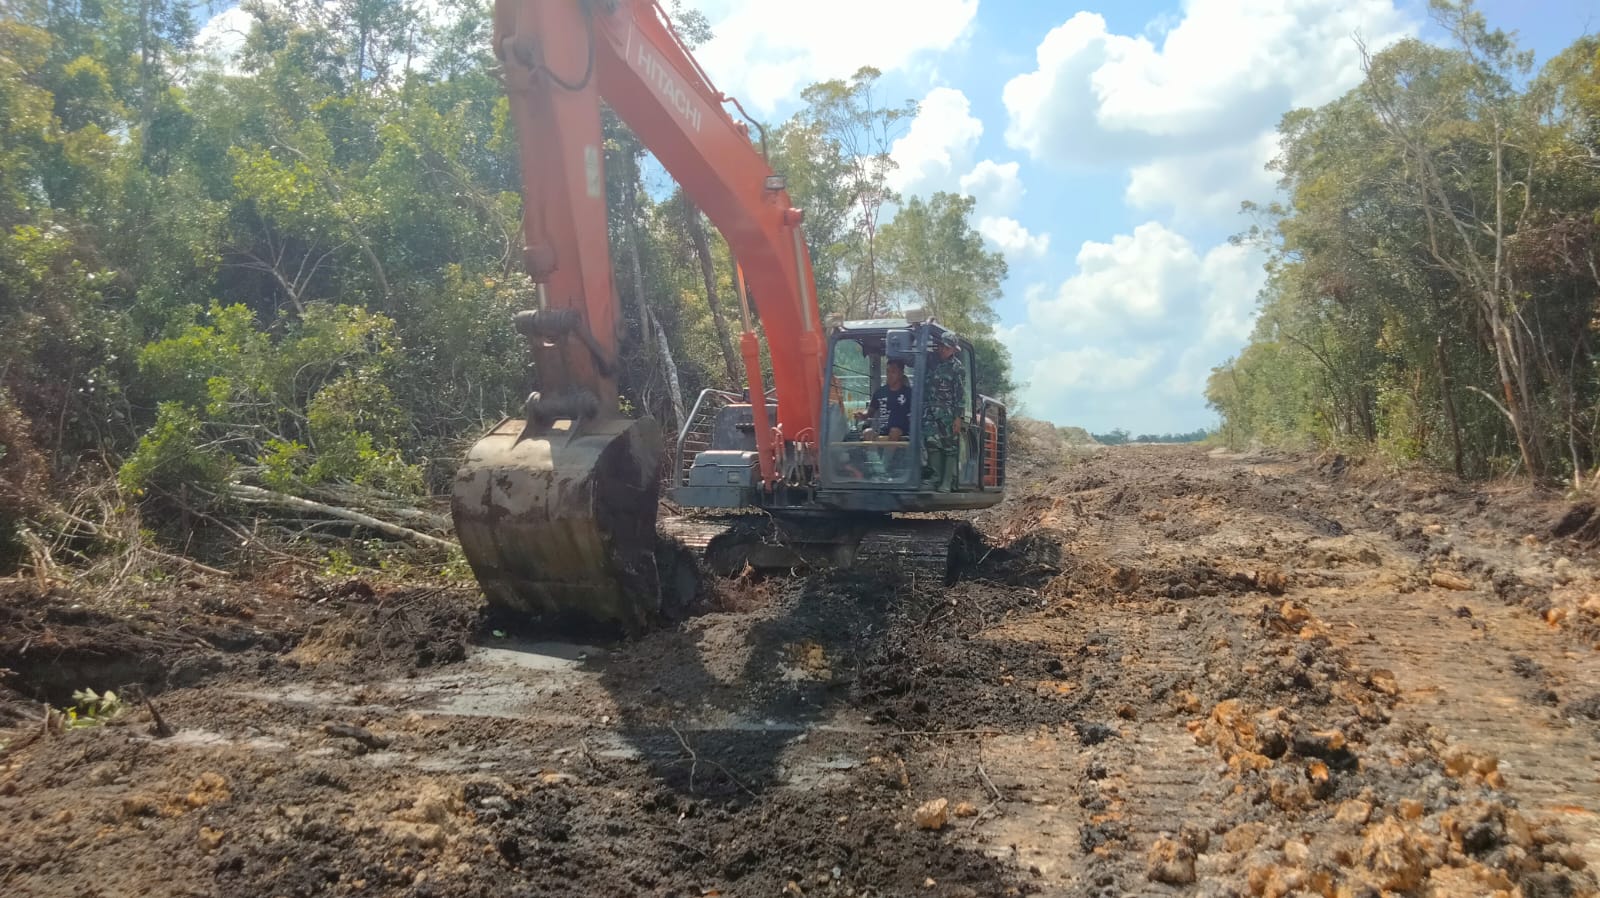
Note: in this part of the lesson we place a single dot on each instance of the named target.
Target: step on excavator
(556, 511)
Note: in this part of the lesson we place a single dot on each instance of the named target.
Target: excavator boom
(556, 511)
(562, 58)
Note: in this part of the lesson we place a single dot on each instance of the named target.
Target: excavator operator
(891, 404)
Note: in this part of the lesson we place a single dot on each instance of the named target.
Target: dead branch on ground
(255, 495)
(695, 760)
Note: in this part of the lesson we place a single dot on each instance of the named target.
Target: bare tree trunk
(630, 211)
(1572, 416)
(671, 367)
(708, 273)
(1528, 436)
(377, 267)
(1527, 440)
(360, 239)
(1445, 388)
(146, 98)
(259, 496)
(361, 56)
(869, 216)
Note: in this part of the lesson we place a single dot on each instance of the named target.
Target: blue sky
(1108, 145)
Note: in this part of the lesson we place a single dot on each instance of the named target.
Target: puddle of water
(511, 680)
(535, 655)
(554, 684)
(192, 738)
(819, 773)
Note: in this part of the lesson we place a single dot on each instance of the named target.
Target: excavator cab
(839, 494)
(860, 465)
(865, 464)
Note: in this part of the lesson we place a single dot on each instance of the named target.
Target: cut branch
(259, 496)
(92, 529)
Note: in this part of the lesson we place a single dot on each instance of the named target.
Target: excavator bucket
(559, 525)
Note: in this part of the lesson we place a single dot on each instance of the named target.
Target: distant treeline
(1119, 437)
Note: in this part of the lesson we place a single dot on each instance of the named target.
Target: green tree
(932, 257)
(820, 180)
(1432, 274)
(852, 128)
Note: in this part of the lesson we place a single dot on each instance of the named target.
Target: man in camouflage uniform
(942, 406)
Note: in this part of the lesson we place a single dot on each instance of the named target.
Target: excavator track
(937, 549)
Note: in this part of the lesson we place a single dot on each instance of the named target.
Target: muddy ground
(1176, 672)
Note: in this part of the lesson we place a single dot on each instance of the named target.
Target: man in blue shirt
(891, 404)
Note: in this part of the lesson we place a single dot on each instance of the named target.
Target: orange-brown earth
(1175, 672)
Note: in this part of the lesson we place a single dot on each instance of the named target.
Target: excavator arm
(556, 511)
(562, 57)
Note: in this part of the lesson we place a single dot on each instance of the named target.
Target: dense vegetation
(1435, 266)
(297, 267)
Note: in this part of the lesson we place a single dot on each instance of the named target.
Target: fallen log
(258, 496)
(377, 502)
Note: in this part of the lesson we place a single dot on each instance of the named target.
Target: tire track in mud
(1459, 673)
(1125, 760)
(1170, 683)
(1129, 769)
(1483, 671)
(1159, 812)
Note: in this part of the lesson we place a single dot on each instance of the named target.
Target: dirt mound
(412, 628)
(54, 644)
(167, 636)
(575, 842)
(1031, 560)
(1580, 522)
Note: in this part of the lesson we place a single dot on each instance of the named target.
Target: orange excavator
(557, 510)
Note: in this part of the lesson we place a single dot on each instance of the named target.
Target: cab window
(854, 450)
(849, 393)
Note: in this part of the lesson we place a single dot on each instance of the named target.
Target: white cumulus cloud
(1191, 109)
(1130, 337)
(936, 154)
(1126, 286)
(1012, 239)
(937, 146)
(1054, 110)
(1096, 369)
(1205, 187)
(222, 36)
(765, 54)
(1188, 109)
(996, 186)
(1227, 70)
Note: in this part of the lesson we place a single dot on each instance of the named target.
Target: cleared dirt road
(1177, 673)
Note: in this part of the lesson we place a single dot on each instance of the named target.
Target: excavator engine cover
(559, 524)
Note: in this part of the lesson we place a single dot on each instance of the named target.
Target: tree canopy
(299, 267)
(1435, 264)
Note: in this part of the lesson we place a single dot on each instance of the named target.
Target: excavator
(557, 511)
